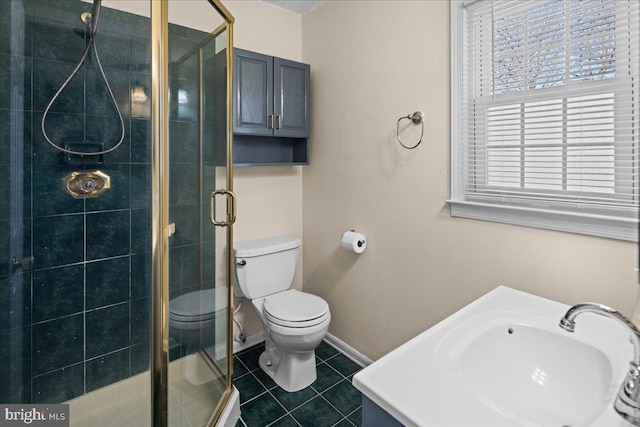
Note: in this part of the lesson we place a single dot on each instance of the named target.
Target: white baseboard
(331, 339)
(250, 342)
(347, 350)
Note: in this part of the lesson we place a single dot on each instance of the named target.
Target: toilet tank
(265, 266)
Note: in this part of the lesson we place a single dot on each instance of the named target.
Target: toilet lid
(295, 306)
(201, 304)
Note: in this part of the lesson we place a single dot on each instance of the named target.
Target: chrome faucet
(627, 403)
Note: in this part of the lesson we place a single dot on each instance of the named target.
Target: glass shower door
(198, 255)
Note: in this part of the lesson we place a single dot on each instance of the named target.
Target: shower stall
(117, 209)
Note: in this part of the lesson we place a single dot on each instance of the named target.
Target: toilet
(296, 322)
(198, 319)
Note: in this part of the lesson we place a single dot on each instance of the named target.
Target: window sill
(589, 224)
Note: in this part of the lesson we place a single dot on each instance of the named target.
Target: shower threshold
(127, 403)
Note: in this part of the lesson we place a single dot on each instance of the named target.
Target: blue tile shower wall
(84, 306)
(79, 319)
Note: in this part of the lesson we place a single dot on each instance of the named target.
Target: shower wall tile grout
(76, 345)
(83, 324)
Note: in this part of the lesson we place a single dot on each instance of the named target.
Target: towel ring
(418, 119)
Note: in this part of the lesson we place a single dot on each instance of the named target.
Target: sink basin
(503, 361)
(509, 366)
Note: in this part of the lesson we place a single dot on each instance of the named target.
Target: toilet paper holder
(361, 241)
(358, 245)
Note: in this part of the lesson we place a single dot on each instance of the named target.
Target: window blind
(548, 108)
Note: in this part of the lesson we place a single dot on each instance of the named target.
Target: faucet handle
(632, 382)
(627, 402)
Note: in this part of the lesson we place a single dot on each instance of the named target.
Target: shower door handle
(231, 208)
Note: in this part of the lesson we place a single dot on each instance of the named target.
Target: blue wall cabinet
(291, 98)
(253, 94)
(271, 110)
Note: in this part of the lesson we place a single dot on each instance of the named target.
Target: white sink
(512, 365)
(504, 361)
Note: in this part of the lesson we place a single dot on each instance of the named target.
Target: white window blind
(545, 113)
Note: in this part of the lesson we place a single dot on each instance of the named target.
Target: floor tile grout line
(347, 377)
(339, 373)
(355, 410)
(351, 413)
(287, 412)
(255, 379)
(331, 404)
(334, 385)
(244, 366)
(240, 376)
(341, 420)
(331, 357)
(318, 393)
(302, 404)
(290, 412)
(306, 401)
(261, 383)
(321, 360)
(257, 347)
(327, 358)
(314, 397)
(268, 391)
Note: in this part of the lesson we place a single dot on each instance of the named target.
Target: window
(545, 114)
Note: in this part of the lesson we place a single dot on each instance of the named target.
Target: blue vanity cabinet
(270, 111)
(374, 416)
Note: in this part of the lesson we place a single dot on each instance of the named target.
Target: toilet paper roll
(354, 242)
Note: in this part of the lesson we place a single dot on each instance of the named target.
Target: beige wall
(269, 198)
(372, 62)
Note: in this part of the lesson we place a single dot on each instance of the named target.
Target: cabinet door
(291, 88)
(253, 93)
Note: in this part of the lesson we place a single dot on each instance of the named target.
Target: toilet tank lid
(267, 245)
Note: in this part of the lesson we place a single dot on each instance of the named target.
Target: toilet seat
(199, 318)
(295, 309)
(198, 306)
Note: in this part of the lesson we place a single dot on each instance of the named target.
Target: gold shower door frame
(161, 230)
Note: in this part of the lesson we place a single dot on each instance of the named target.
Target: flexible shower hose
(93, 28)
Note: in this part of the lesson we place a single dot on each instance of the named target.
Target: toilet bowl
(296, 322)
(198, 320)
(195, 317)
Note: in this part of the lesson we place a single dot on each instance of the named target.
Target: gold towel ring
(418, 119)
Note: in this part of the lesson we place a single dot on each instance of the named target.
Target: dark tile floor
(330, 401)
